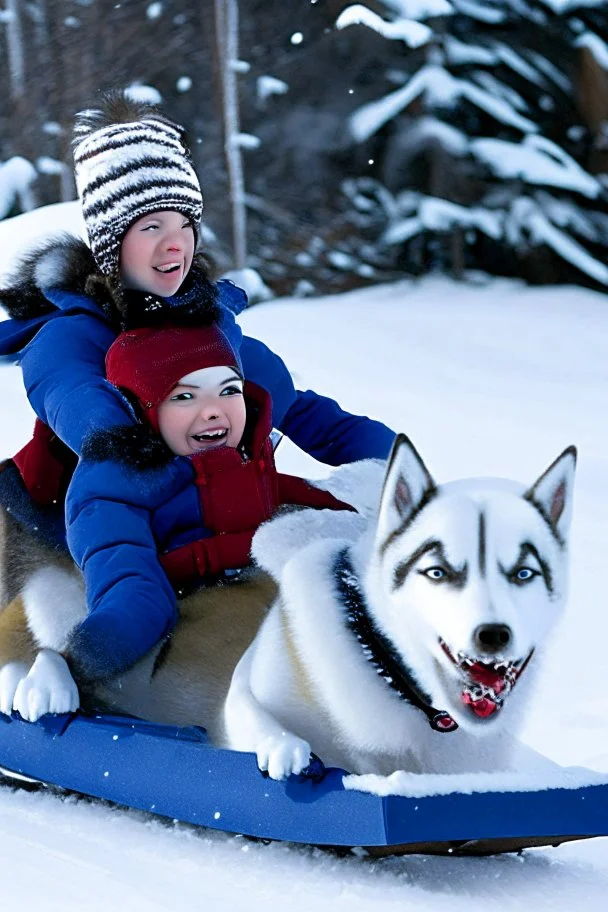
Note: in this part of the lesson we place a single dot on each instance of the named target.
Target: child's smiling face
(156, 253)
(205, 410)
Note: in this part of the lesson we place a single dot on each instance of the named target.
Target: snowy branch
(535, 160)
(598, 48)
(440, 215)
(526, 214)
(413, 33)
(270, 85)
(440, 89)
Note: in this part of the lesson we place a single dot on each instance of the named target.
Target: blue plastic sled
(176, 773)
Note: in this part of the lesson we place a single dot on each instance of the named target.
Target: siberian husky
(414, 646)
(402, 637)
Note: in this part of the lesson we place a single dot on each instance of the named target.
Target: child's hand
(208, 556)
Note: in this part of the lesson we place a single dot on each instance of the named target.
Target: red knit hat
(149, 362)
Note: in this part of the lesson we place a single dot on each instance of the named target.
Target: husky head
(467, 579)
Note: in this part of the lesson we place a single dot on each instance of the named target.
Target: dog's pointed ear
(552, 493)
(407, 486)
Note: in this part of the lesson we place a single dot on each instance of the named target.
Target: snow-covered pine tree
(485, 139)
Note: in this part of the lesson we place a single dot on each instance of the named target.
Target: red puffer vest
(238, 491)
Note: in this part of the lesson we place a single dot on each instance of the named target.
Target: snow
(560, 79)
(52, 128)
(33, 228)
(564, 6)
(492, 84)
(491, 378)
(246, 141)
(420, 9)
(564, 213)
(517, 63)
(47, 165)
(482, 11)
(240, 66)
(426, 128)
(598, 48)
(252, 283)
(441, 215)
(270, 85)
(440, 89)
(460, 53)
(412, 785)
(154, 10)
(413, 33)
(529, 216)
(143, 93)
(535, 160)
(16, 177)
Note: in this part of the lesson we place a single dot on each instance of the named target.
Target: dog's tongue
(483, 707)
(487, 674)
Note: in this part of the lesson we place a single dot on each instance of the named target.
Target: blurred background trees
(376, 140)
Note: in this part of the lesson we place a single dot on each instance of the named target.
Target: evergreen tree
(483, 150)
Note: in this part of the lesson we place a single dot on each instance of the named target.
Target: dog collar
(378, 649)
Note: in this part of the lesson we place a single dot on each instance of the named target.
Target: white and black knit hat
(129, 161)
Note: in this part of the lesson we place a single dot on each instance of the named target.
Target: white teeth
(210, 435)
(167, 267)
(479, 691)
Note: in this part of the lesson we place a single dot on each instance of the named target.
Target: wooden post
(227, 30)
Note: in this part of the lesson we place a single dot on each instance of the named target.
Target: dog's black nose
(492, 637)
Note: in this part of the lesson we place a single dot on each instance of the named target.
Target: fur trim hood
(62, 262)
(135, 446)
(65, 262)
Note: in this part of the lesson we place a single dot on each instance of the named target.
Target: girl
(206, 434)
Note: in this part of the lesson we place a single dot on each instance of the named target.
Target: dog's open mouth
(485, 684)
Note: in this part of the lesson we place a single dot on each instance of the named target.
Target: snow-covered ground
(491, 378)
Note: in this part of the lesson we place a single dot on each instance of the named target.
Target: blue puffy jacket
(63, 364)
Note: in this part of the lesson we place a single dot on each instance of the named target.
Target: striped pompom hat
(129, 161)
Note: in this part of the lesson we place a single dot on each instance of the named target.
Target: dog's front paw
(10, 676)
(284, 754)
(47, 688)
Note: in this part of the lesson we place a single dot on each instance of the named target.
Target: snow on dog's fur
(411, 645)
(404, 636)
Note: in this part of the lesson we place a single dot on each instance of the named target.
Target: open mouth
(217, 436)
(485, 684)
(167, 268)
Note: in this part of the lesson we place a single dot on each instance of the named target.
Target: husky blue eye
(434, 573)
(524, 574)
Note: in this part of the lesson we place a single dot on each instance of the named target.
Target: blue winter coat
(63, 364)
